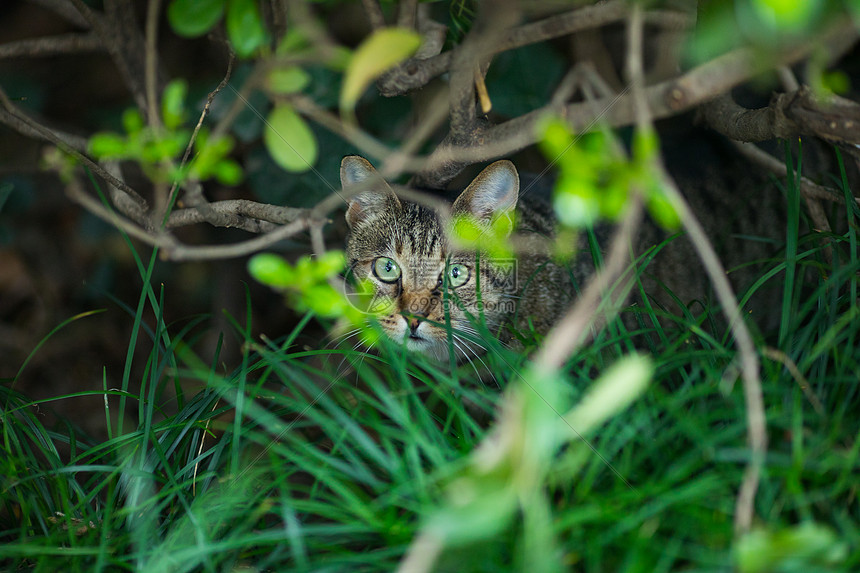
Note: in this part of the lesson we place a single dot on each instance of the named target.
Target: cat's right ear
(356, 170)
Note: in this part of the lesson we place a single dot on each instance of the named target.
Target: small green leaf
(645, 145)
(787, 14)
(173, 103)
(108, 146)
(192, 18)
(466, 229)
(617, 388)
(476, 510)
(287, 80)
(132, 120)
(228, 172)
(809, 546)
(380, 52)
(661, 209)
(294, 41)
(324, 300)
(575, 201)
(554, 135)
(339, 58)
(271, 270)
(836, 81)
(289, 140)
(328, 264)
(245, 27)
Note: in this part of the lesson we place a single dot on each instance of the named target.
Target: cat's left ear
(493, 191)
(378, 197)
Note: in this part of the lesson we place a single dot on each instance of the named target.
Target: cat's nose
(413, 324)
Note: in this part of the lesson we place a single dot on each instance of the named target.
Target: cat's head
(421, 281)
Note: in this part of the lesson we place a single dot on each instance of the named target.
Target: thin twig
(152, 11)
(809, 188)
(197, 200)
(756, 421)
(781, 357)
(374, 14)
(180, 252)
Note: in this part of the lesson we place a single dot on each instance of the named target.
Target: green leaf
(228, 172)
(617, 388)
(787, 14)
(271, 270)
(662, 210)
(192, 18)
(245, 27)
(294, 41)
(645, 145)
(836, 81)
(477, 509)
(287, 80)
(575, 201)
(289, 140)
(108, 146)
(328, 264)
(466, 229)
(380, 52)
(132, 120)
(806, 547)
(173, 103)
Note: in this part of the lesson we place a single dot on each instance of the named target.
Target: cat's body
(402, 248)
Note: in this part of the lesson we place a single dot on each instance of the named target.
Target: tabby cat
(402, 248)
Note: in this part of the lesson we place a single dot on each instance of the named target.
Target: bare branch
(179, 252)
(809, 188)
(151, 63)
(52, 46)
(237, 213)
(494, 20)
(788, 115)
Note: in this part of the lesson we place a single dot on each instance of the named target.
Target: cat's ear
(355, 170)
(493, 191)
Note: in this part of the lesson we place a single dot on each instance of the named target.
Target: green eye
(386, 270)
(458, 275)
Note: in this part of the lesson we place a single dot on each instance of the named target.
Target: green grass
(284, 464)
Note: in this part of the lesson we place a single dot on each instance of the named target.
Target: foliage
(156, 149)
(596, 180)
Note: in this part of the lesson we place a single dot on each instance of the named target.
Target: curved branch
(237, 213)
(789, 114)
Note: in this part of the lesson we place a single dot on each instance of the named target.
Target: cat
(426, 281)
(402, 248)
